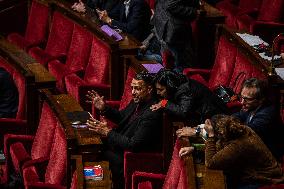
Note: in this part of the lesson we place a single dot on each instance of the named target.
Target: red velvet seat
(96, 74)
(176, 177)
(278, 44)
(231, 9)
(50, 171)
(16, 125)
(151, 4)
(270, 11)
(243, 70)
(231, 68)
(168, 59)
(267, 30)
(58, 41)
(77, 57)
(36, 30)
(20, 149)
(222, 69)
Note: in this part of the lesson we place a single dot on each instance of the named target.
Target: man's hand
(79, 7)
(96, 99)
(155, 107)
(103, 16)
(208, 128)
(185, 150)
(99, 127)
(143, 49)
(186, 132)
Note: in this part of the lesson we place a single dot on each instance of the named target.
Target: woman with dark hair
(186, 98)
(239, 152)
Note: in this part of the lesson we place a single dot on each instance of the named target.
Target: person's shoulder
(5, 75)
(140, 3)
(267, 109)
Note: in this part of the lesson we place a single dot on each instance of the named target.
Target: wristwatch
(197, 131)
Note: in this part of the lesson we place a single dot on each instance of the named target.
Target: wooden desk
(245, 48)
(43, 78)
(20, 58)
(252, 55)
(87, 141)
(14, 53)
(80, 142)
(208, 178)
(106, 183)
(135, 64)
(128, 45)
(212, 15)
(36, 75)
(200, 177)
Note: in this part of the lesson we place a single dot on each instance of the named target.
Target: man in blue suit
(260, 115)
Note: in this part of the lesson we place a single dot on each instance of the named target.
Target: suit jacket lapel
(122, 12)
(139, 113)
(129, 113)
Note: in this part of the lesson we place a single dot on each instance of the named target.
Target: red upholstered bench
(36, 30)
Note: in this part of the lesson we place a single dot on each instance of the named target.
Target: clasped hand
(155, 107)
(103, 16)
(185, 132)
(185, 150)
(99, 127)
(79, 7)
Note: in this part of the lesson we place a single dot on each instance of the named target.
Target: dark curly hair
(170, 79)
(232, 125)
(146, 77)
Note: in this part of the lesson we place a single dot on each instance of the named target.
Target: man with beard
(139, 129)
(261, 115)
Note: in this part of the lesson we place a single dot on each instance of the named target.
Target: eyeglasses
(246, 99)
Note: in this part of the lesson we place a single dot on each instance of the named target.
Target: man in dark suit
(112, 7)
(134, 18)
(172, 24)
(139, 129)
(261, 115)
(9, 97)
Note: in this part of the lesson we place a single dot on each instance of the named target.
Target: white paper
(280, 72)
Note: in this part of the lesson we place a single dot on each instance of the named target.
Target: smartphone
(80, 126)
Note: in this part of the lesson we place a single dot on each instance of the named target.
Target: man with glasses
(260, 114)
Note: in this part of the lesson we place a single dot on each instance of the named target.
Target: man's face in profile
(140, 90)
(248, 99)
(161, 90)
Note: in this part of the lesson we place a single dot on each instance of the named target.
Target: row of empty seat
(261, 17)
